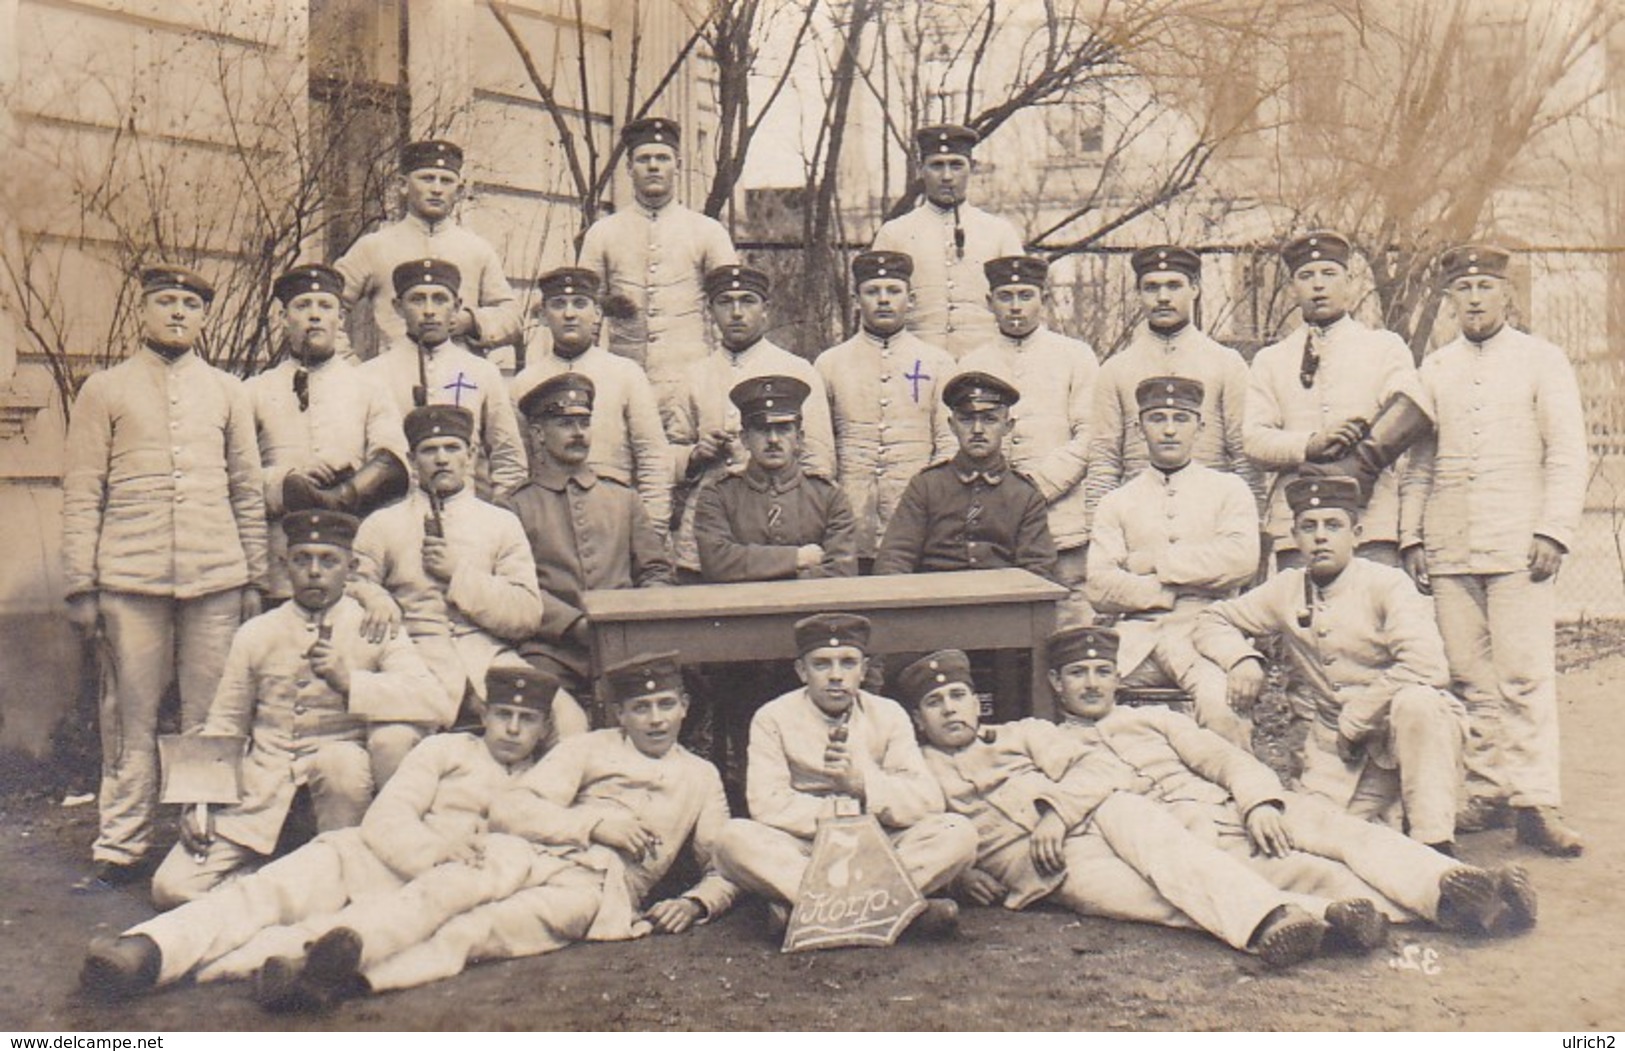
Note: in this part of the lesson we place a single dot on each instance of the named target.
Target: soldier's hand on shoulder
(381, 616)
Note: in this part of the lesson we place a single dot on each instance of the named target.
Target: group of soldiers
(347, 565)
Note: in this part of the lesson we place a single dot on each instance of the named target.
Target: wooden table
(985, 609)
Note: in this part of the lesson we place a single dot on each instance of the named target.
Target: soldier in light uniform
(163, 544)
(704, 425)
(1169, 279)
(1178, 537)
(628, 438)
(304, 685)
(329, 435)
(586, 532)
(431, 185)
(1490, 507)
(1049, 428)
(1314, 394)
(884, 388)
(653, 258)
(949, 240)
(1368, 669)
(431, 366)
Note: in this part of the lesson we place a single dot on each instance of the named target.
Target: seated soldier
(829, 743)
(303, 684)
(973, 511)
(772, 521)
(1368, 669)
(457, 570)
(1174, 539)
(586, 531)
(431, 813)
(1298, 842)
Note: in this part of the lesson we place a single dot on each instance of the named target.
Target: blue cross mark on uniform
(916, 377)
(458, 385)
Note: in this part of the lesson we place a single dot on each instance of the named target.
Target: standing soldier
(163, 544)
(1318, 391)
(628, 439)
(949, 240)
(1049, 428)
(1491, 505)
(329, 436)
(884, 386)
(1168, 344)
(431, 185)
(653, 259)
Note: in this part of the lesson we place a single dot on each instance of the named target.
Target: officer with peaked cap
(1049, 435)
(949, 239)
(431, 185)
(1178, 537)
(1490, 505)
(163, 542)
(628, 438)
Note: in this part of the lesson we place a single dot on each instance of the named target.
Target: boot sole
(1291, 941)
(1356, 926)
(1469, 900)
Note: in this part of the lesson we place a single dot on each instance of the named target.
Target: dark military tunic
(955, 515)
(749, 525)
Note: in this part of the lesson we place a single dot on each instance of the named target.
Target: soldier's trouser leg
(1069, 570)
(1205, 682)
(1403, 870)
(204, 628)
(141, 647)
(1425, 733)
(340, 785)
(763, 859)
(183, 877)
(536, 920)
(935, 850)
(1499, 636)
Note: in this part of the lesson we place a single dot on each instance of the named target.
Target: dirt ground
(1042, 969)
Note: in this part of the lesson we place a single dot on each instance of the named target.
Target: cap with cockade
(438, 421)
(520, 688)
(736, 278)
(932, 672)
(644, 675)
(831, 630)
(661, 131)
(978, 392)
(567, 394)
(946, 138)
(1315, 247)
(320, 527)
(1324, 491)
(1081, 643)
(762, 400)
(417, 272)
(305, 279)
(161, 276)
(1166, 259)
(866, 266)
(1169, 392)
(569, 281)
(1016, 270)
(1473, 261)
(432, 153)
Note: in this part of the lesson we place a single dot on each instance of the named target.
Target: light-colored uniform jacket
(950, 289)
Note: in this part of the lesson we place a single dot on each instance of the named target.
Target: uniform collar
(736, 357)
(424, 226)
(553, 476)
(655, 213)
(875, 339)
(967, 472)
(1169, 339)
(834, 720)
(180, 360)
(1327, 331)
(1488, 341)
(1165, 478)
(781, 482)
(1025, 341)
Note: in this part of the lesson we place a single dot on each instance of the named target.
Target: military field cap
(769, 399)
(1016, 270)
(161, 276)
(946, 138)
(520, 688)
(866, 266)
(1166, 259)
(1081, 643)
(567, 394)
(978, 392)
(644, 675)
(831, 629)
(438, 421)
(1169, 392)
(320, 527)
(569, 281)
(1314, 247)
(307, 278)
(736, 278)
(1333, 490)
(432, 153)
(931, 672)
(1473, 261)
(662, 131)
(417, 272)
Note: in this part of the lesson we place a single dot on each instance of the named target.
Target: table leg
(1042, 620)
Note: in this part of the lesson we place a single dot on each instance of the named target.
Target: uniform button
(1329, 661)
(884, 402)
(177, 474)
(299, 709)
(885, 376)
(1172, 539)
(173, 424)
(179, 499)
(653, 336)
(178, 448)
